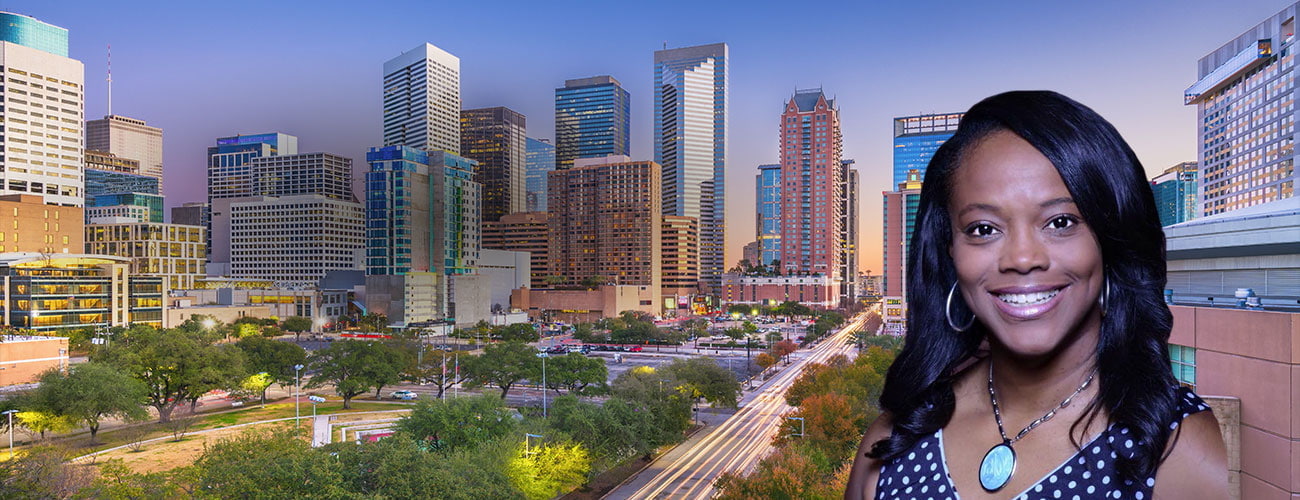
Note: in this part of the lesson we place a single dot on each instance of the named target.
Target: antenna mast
(110, 79)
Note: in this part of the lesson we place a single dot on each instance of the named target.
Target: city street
(736, 443)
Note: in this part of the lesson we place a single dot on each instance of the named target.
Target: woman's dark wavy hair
(1110, 188)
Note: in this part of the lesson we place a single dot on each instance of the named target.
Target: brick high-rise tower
(812, 178)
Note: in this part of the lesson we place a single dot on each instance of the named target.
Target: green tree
(702, 378)
(793, 309)
(400, 468)
(574, 373)
(503, 365)
(435, 366)
(175, 365)
(518, 332)
(40, 422)
(273, 357)
(741, 309)
(245, 330)
(655, 392)
(117, 481)
(544, 471)
(297, 325)
(554, 280)
(42, 472)
(354, 367)
(586, 332)
(446, 424)
(90, 392)
(257, 384)
(594, 281)
(268, 465)
(613, 432)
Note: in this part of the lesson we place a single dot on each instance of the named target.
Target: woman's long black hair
(1110, 188)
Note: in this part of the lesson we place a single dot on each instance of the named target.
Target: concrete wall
(225, 314)
(586, 305)
(24, 358)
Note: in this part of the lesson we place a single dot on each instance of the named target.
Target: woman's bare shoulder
(862, 479)
(1197, 461)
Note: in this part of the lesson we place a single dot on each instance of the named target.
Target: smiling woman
(1035, 360)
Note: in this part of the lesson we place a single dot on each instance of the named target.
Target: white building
(43, 119)
(690, 138)
(422, 100)
(172, 251)
(290, 240)
(129, 138)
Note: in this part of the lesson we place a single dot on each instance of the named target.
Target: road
(736, 444)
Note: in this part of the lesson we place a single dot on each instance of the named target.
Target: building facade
(690, 139)
(194, 213)
(497, 139)
(230, 162)
(28, 224)
(44, 112)
(541, 161)
(768, 198)
(849, 233)
(593, 119)
(142, 207)
(422, 100)
(916, 138)
(173, 252)
(899, 221)
(1175, 193)
(290, 240)
(128, 138)
(681, 255)
(812, 291)
(751, 254)
(523, 232)
(812, 174)
(1244, 97)
(70, 290)
(325, 174)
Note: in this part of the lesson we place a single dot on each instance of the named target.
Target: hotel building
(523, 232)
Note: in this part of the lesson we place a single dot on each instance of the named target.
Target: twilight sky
(202, 70)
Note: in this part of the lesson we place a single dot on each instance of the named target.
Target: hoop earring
(1105, 294)
(947, 311)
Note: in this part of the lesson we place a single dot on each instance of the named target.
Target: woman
(1036, 362)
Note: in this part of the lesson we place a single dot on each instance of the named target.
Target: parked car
(635, 348)
(404, 395)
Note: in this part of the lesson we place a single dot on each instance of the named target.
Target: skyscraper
(593, 118)
(812, 174)
(916, 138)
(422, 212)
(541, 161)
(43, 115)
(899, 221)
(769, 214)
(230, 162)
(128, 138)
(849, 235)
(1175, 193)
(422, 100)
(690, 138)
(1246, 115)
(497, 139)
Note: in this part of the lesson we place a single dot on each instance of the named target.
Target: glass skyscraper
(1175, 194)
(916, 138)
(422, 212)
(30, 32)
(690, 139)
(769, 213)
(541, 161)
(496, 139)
(593, 118)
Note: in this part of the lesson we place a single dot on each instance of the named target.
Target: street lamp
(543, 356)
(314, 401)
(297, 394)
(11, 431)
(800, 419)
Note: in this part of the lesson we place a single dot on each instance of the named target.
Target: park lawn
(254, 413)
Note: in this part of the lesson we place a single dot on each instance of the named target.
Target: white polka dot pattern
(922, 473)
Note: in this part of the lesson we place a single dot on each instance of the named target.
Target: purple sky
(202, 70)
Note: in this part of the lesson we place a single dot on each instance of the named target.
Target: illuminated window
(1182, 360)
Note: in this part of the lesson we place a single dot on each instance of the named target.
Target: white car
(403, 395)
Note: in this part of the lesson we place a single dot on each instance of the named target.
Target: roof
(806, 100)
(15, 258)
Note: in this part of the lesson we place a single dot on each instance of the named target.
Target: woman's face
(1027, 263)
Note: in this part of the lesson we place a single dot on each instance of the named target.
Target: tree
(503, 365)
(257, 384)
(354, 367)
(654, 392)
(400, 468)
(268, 465)
(446, 424)
(518, 332)
(574, 372)
(703, 378)
(586, 332)
(542, 471)
(612, 432)
(436, 366)
(40, 422)
(42, 472)
(174, 365)
(117, 481)
(554, 280)
(373, 322)
(594, 281)
(784, 348)
(788, 473)
(273, 357)
(245, 330)
(793, 309)
(89, 392)
(765, 360)
(831, 425)
(297, 325)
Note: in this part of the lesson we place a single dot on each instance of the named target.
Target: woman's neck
(1032, 386)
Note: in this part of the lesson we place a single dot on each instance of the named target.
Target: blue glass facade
(916, 138)
(100, 182)
(152, 204)
(230, 171)
(1175, 197)
(29, 32)
(540, 161)
(593, 118)
(390, 214)
(769, 213)
(422, 212)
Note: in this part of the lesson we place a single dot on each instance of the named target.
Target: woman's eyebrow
(979, 206)
(1057, 201)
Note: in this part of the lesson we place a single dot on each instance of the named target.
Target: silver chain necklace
(1000, 461)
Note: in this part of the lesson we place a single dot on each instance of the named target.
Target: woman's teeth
(1025, 299)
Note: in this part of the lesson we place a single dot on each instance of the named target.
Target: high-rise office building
(899, 221)
(128, 138)
(541, 161)
(194, 213)
(43, 115)
(293, 240)
(1175, 193)
(812, 194)
(497, 139)
(751, 253)
(605, 220)
(230, 162)
(681, 256)
(522, 232)
(593, 119)
(916, 138)
(422, 100)
(1246, 117)
(768, 185)
(690, 140)
(325, 174)
(141, 207)
(422, 212)
(849, 234)
(114, 188)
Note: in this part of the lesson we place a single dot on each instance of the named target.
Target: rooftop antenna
(110, 79)
(665, 44)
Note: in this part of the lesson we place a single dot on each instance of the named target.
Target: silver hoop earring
(1105, 294)
(947, 311)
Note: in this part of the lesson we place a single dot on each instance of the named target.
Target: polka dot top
(922, 472)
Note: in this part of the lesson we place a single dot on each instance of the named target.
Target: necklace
(1000, 461)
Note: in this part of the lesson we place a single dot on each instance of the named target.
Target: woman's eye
(1061, 222)
(981, 230)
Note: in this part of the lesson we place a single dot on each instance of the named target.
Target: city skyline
(878, 62)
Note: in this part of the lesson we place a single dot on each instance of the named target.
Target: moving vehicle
(404, 395)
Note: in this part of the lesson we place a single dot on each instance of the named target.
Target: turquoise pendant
(997, 467)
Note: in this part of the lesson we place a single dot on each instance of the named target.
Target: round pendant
(997, 467)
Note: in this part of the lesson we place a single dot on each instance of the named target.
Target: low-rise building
(24, 357)
(28, 224)
(57, 291)
(813, 291)
(584, 305)
(174, 252)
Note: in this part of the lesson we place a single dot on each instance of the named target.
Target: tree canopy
(354, 367)
(503, 365)
(175, 365)
(90, 392)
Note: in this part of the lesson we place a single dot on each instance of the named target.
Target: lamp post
(543, 356)
(11, 431)
(297, 394)
(314, 401)
(800, 419)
